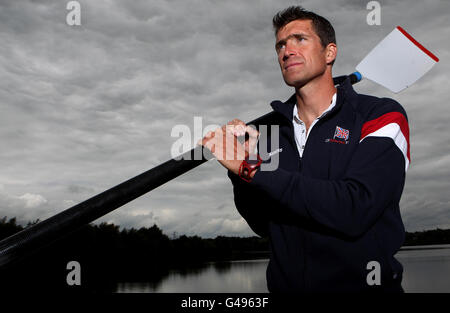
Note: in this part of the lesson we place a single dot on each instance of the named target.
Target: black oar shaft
(61, 224)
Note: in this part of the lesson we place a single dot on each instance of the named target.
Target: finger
(219, 133)
(243, 129)
(209, 135)
(252, 132)
(236, 121)
(238, 127)
(210, 145)
(204, 141)
(226, 128)
(236, 130)
(230, 129)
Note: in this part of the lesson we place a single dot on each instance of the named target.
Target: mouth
(293, 65)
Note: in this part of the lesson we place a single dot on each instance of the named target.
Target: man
(331, 208)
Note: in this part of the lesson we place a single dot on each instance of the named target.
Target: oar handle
(354, 78)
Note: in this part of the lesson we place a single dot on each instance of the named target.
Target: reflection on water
(235, 276)
(426, 269)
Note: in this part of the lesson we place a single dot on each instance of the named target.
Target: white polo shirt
(301, 136)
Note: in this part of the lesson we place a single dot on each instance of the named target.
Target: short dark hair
(321, 25)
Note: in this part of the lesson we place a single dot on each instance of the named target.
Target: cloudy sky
(83, 108)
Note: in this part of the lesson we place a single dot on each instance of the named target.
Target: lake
(426, 269)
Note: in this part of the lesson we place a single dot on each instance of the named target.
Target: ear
(331, 52)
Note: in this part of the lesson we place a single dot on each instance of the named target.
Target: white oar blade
(397, 61)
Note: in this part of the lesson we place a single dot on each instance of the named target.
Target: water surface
(426, 269)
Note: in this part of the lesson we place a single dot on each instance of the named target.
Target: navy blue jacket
(331, 212)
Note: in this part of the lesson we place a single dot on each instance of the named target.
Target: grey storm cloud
(83, 108)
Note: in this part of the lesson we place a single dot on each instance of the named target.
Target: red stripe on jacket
(385, 119)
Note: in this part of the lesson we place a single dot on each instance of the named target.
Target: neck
(315, 97)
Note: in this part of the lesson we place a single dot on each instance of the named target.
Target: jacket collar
(345, 93)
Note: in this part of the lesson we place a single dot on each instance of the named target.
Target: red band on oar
(428, 52)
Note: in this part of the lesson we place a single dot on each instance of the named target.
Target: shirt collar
(345, 94)
(298, 120)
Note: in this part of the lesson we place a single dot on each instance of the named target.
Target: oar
(397, 62)
(394, 63)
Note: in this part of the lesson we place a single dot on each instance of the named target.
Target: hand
(238, 128)
(225, 146)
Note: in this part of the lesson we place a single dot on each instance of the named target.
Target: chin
(292, 82)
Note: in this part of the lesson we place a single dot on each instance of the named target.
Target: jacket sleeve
(251, 206)
(373, 181)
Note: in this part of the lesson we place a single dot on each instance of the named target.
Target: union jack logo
(341, 133)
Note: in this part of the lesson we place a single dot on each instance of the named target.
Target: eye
(300, 38)
(280, 47)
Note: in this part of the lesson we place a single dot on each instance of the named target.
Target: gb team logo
(341, 135)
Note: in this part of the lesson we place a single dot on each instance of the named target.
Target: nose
(288, 50)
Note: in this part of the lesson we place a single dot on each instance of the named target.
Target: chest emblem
(341, 135)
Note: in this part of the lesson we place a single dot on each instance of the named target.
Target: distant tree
(8, 227)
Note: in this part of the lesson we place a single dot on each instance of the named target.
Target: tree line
(108, 255)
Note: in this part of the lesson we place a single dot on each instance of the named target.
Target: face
(300, 53)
